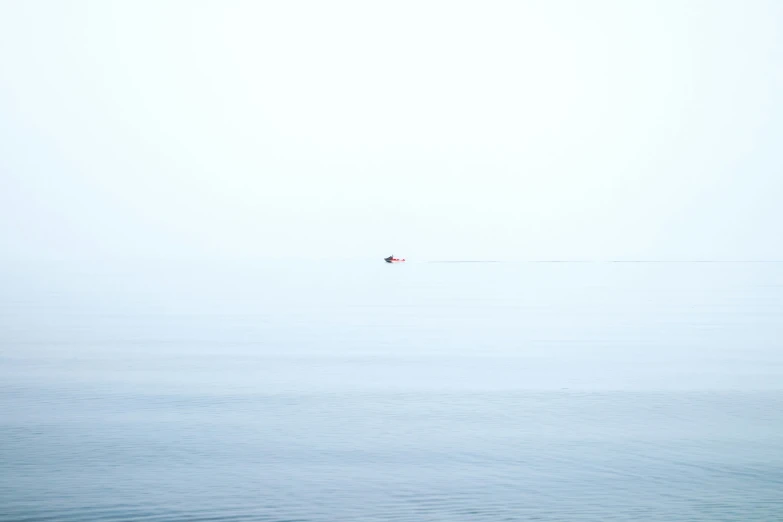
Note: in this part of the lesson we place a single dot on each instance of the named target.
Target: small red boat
(392, 259)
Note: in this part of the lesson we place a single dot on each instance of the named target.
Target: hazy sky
(435, 130)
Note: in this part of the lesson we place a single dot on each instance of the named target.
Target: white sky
(435, 130)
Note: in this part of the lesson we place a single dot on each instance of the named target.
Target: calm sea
(315, 392)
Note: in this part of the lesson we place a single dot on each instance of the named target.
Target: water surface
(411, 392)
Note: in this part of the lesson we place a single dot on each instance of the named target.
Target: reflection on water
(375, 392)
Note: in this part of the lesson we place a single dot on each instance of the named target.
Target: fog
(434, 130)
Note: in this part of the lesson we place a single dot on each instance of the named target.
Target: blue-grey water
(309, 392)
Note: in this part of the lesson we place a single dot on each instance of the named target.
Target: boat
(392, 259)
